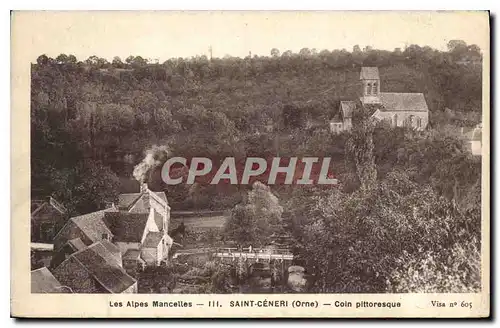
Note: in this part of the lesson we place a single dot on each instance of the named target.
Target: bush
(361, 241)
(457, 270)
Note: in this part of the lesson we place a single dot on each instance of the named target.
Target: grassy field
(199, 220)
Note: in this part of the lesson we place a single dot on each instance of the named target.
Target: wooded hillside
(93, 119)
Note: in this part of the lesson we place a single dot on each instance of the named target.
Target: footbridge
(256, 255)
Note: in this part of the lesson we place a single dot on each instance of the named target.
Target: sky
(163, 35)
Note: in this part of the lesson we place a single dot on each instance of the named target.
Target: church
(397, 109)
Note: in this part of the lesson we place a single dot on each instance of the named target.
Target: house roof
(103, 267)
(347, 108)
(142, 205)
(42, 281)
(126, 227)
(132, 255)
(110, 252)
(77, 244)
(92, 224)
(127, 201)
(473, 134)
(477, 135)
(41, 246)
(369, 73)
(403, 101)
(152, 239)
(38, 205)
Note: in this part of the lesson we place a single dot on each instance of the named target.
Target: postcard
(233, 164)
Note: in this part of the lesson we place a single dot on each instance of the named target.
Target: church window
(410, 122)
(395, 120)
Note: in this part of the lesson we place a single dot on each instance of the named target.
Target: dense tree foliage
(106, 113)
(406, 216)
(256, 219)
(358, 243)
(411, 223)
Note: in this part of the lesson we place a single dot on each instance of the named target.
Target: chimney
(145, 195)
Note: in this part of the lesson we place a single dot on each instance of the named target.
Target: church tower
(370, 85)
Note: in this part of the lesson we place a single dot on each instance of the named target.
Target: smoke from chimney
(154, 157)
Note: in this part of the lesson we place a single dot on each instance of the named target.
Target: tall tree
(255, 220)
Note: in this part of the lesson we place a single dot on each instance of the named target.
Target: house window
(374, 88)
(368, 88)
(105, 236)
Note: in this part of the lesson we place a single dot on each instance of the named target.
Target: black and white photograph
(195, 153)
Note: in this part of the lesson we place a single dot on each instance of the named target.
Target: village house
(47, 217)
(44, 282)
(137, 227)
(473, 139)
(397, 109)
(41, 255)
(95, 269)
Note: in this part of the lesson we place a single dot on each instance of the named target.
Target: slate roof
(152, 239)
(369, 73)
(38, 205)
(126, 227)
(92, 224)
(42, 281)
(103, 267)
(477, 135)
(41, 247)
(473, 134)
(142, 205)
(347, 108)
(109, 252)
(77, 244)
(113, 249)
(126, 201)
(132, 254)
(403, 101)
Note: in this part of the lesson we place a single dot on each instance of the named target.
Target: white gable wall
(161, 208)
(150, 225)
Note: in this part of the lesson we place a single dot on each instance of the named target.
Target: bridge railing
(252, 255)
(261, 253)
(253, 250)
